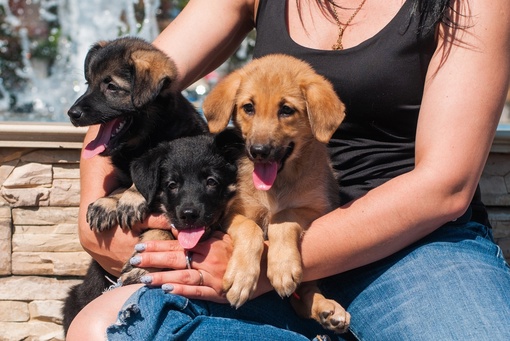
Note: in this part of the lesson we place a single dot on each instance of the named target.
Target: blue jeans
(452, 285)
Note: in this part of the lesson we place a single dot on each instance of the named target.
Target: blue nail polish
(140, 247)
(146, 279)
(167, 287)
(135, 260)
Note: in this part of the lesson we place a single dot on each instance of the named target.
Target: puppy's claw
(131, 209)
(240, 285)
(285, 281)
(127, 216)
(102, 214)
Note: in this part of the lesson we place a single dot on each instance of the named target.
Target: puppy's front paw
(132, 275)
(331, 315)
(102, 214)
(131, 209)
(240, 281)
(284, 272)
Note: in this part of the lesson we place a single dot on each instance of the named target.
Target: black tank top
(376, 141)
(380, 81)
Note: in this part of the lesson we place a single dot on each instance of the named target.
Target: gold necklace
(338, 45)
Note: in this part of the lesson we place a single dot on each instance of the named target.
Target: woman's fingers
(190, 283)
(169, 259)
(197, 292)
(201, 276)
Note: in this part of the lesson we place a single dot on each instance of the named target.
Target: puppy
(286, 113)
(130, 95)
(190, 180)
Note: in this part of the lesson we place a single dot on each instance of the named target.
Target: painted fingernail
(140, 247)
(167, 287)
(146, 279)
(135, 260)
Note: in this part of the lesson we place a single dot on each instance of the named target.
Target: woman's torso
(381, 82)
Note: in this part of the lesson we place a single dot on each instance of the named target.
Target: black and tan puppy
(286, 113)
(130, 95)
(191, 181)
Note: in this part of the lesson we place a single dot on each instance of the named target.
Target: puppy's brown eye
(249, 109)
(285, 110)
(211, 182)
(172, 185)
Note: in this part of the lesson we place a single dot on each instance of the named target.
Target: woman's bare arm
(192, 40)
(205, 34)
(464, 96)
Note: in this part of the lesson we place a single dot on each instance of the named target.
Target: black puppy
(130, 95)
(191, 181)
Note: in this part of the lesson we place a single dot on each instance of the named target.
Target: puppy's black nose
(75, 113)
(260, 151)
(188, 214)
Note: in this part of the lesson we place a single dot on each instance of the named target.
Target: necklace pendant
(337, 46)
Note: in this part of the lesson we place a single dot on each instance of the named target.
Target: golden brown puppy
(286, 113)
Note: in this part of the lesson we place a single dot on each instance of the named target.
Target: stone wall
(40, 256)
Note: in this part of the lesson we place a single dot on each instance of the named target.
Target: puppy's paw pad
(333, 316)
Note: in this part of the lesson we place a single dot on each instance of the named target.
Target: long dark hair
(431, 12)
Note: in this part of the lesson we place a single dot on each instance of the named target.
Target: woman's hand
(203, 280)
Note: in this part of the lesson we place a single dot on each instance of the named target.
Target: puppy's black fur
(191, 181)
(130, 95)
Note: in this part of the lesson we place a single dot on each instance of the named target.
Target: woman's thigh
(151, 314)
(452, 285)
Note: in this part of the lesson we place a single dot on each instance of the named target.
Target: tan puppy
(286, 113)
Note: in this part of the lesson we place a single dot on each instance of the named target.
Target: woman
(410, 252)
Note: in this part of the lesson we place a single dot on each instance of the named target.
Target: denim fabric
(152, 314)
(452, 285)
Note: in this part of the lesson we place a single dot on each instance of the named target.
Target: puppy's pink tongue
(264, 175)
(98, 145)
(189, 238)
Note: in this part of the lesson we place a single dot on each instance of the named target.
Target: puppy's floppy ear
(219, 105)
(153, 72)
(325, 110)
(92, 52)
(146, 172)
(230, 144)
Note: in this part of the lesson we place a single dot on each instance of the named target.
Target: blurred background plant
(43, 44)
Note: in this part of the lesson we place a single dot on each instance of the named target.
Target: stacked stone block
(40, 254)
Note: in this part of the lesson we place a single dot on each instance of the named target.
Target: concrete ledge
(41, 135)
(65, 135)
(501, 142)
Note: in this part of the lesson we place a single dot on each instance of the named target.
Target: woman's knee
(92, 321)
